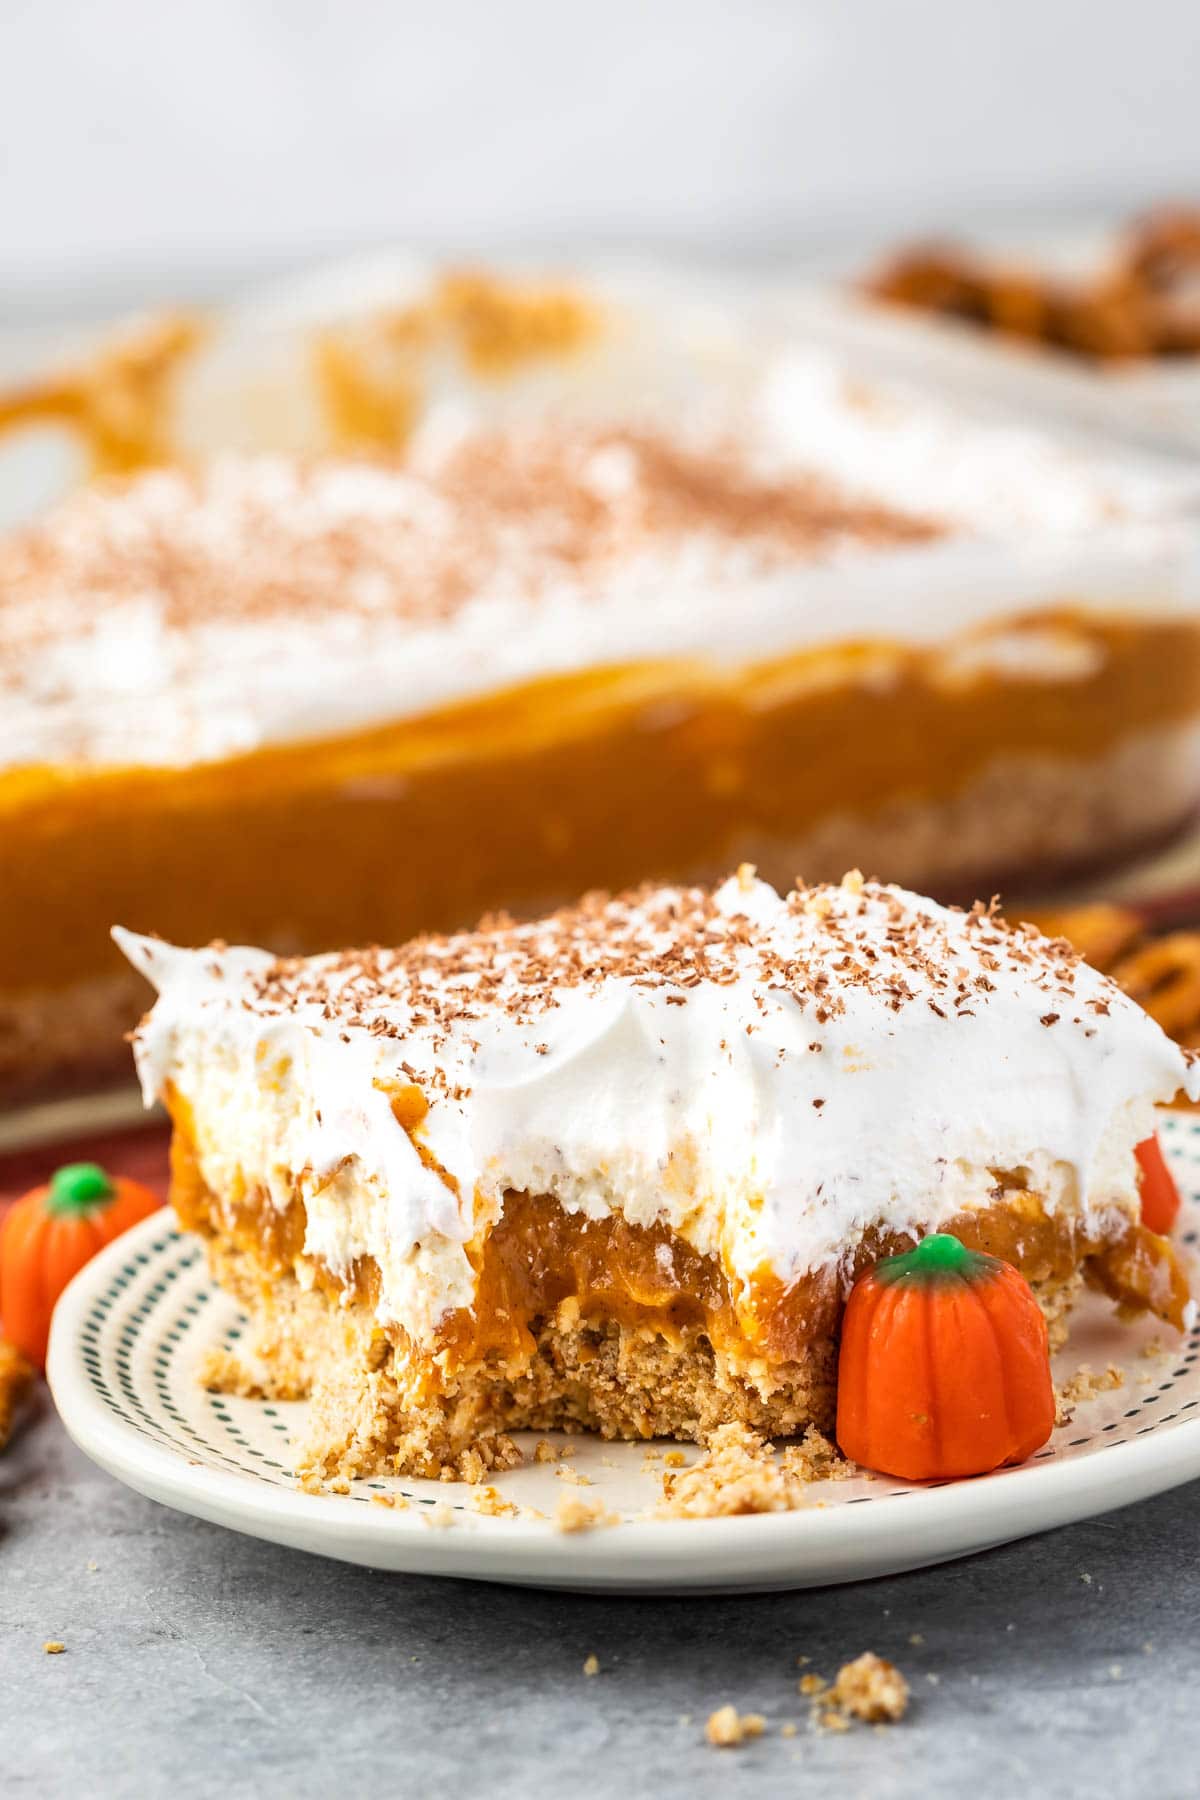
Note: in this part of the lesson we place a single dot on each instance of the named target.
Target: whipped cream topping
(770, 1075)
(188, 617)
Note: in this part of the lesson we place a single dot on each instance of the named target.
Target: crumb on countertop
(54, 1646)
(591, 1664)
(726, 1728)
(871, 1689)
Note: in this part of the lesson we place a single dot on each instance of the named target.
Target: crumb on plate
(573, 1513)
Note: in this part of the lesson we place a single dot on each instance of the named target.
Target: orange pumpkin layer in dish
(617, 1169)
(311, 704)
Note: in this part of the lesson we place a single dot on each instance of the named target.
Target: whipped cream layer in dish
(773, 1077)
(186, 617)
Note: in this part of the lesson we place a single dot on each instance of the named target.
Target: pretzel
(1143, 305)
(1160, 973)
(1101, 932)
(16, 1378)
(1164, 977)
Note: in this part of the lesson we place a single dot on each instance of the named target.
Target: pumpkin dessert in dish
(307, 704)
(617, 1169)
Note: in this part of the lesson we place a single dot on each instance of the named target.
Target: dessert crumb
(221, 1371)
(788, 1728)
(440, 1517)
(739, 1473)
(817, 1458)
(546, 1452)
(491, 1502)
(1085, 1384)
(871, 1689)
(727, 1728)
(576, 1514)
(591, 1665)
(812, 1684)
(54, 1646)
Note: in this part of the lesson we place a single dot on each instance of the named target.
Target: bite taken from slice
(618, 1169)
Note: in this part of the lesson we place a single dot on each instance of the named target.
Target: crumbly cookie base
(615, 1380)
(1023, 823)
(608, 1378)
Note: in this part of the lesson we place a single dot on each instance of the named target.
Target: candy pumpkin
(49, 1235)
(944, 1367)
(1160, 1196)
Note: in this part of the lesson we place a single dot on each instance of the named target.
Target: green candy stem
(79, 1188)
(935, 1258)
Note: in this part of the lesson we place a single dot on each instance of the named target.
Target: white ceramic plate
(130, 1329)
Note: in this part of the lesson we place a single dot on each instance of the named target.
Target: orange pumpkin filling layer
(603, 779)
(537, 1259)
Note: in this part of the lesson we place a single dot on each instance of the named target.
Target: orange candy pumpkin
(50, 1234)
(1160, 1196)
(944, 1367)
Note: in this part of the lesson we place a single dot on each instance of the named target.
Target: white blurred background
(159, 148)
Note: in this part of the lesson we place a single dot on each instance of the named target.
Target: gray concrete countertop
(200, 1662)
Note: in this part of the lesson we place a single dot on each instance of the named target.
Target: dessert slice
(616, 1170)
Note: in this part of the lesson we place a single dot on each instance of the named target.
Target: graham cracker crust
(380, 1407)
